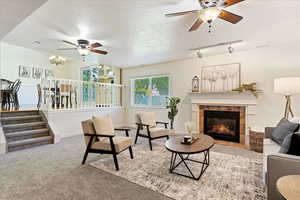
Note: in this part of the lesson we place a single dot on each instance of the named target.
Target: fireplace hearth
(222, 125)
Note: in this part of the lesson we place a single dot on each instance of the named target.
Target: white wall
(67, 123)
(259, 65)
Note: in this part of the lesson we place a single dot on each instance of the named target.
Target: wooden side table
(256, 140)
(288, 187)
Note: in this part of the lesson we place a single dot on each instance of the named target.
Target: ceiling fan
(84, 47)
(211, 10)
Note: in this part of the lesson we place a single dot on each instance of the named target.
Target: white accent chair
(100, 138)
(147, 128)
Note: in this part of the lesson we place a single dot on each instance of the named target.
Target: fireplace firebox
(222, 125)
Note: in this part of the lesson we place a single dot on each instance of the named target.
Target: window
(150, 91)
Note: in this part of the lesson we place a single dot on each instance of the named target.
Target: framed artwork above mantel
(220, 78)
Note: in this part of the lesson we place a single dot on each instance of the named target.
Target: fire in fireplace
(222, 125)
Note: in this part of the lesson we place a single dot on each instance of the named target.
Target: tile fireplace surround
(246, 107)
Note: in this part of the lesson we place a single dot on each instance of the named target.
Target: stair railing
(73, 94)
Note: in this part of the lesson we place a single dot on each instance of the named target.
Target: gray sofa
(277, 165)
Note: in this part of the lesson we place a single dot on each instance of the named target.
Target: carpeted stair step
(29, 143)
(24, 126)
(19, 113)
(21, 119)
(22, 135)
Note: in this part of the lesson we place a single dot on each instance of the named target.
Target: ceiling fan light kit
(209, 11)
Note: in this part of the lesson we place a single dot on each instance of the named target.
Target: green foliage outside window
(151, 91)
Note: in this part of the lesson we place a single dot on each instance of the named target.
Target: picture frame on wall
(49, 73)
(24, 71)
(221, 78)
(37, 73)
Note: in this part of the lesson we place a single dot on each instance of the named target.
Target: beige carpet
(228, 177)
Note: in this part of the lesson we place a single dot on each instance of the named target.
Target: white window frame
(132, 80)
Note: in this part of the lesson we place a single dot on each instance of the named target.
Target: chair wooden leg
(130, 151)
(150, 144)
(85, 156)
(116, 161)
(136, 138)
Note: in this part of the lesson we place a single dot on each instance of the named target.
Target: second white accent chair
(147, 127)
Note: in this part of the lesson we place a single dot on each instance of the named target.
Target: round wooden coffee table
(183, 151)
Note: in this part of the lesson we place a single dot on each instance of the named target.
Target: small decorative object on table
(187, 139)
(195, 84)
(256, 140)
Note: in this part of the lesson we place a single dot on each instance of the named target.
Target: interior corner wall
(261, 65)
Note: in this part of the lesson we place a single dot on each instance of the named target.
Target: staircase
(25, 129)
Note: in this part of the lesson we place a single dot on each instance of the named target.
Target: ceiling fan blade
(69, 43)
(96, 45)
(232, 2)
(99, 51)
(196, 25)
(62, 49)
(230, 17)
(181, 13)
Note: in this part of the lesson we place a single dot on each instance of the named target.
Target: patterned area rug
(228, 177)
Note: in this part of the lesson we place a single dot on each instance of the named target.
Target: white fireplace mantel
(224, 102)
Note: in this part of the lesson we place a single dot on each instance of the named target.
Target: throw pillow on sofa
(286, 144)
(295, 145)
(283, 129)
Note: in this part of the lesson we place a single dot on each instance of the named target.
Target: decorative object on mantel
(220, 78)
(195, 84)
(287, 86)
(24, 71)
(171, 104)
(37, 73)
(57, 60)
(249, 87)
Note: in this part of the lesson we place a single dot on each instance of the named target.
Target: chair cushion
(148, 118)
(158, 132)
(103, 125)
(283, 129)
(120, 143)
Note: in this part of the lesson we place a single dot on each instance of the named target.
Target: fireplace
(222, 125)
(223, 122)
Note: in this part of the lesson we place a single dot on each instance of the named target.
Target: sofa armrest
(268, 131)
(278, 166)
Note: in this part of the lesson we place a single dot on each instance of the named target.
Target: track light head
(230, 49)
(199, 54)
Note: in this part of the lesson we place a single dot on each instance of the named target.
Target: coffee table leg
(173, 166)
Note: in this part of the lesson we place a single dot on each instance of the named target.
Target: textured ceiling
(12, 12)
(136, 32)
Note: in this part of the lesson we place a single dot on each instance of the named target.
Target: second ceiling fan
(211, 10)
